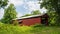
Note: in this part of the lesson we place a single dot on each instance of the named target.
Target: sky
(24, 7)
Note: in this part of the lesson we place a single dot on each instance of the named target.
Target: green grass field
(10, 29)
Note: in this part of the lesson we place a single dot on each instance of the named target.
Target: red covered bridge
(35, 19)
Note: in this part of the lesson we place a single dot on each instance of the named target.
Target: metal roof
(29, 16)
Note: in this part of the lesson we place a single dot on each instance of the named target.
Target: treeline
(52, 6)
(36, 12)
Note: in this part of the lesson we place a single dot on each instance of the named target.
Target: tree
(3, 3)
(9, 14)
(26, 15)
(52, 5)
(36, 12)
(52, 17)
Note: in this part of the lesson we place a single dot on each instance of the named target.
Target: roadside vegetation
(11, 29)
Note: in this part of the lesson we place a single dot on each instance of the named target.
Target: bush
(10, 29)
(15, 22)
(52, 17)
(38, 25)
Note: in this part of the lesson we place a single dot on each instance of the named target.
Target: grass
(46, 30)
(10, 29)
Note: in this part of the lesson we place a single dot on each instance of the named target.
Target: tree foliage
(9, 14)
(36, 12)
(26, 15)
(3, 3)
(52, 17)
(52, 5)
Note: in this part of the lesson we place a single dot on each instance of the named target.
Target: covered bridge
(34, 19)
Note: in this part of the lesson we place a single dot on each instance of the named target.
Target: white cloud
(19, 14)
(1, 13)
(31, 5)
(16, 2)
(43, 10)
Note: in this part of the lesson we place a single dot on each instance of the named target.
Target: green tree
(9, 14)
(52, 17)
(26, 15)
(3, 3)
(52, 5)
(36, 12)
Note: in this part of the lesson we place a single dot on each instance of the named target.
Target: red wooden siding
(31, 21)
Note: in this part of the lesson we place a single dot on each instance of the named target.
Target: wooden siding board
(31, 21)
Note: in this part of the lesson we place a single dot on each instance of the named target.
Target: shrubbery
(10, 29)
(52, 17)
(36, 29)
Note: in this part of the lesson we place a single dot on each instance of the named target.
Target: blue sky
(24, 7)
